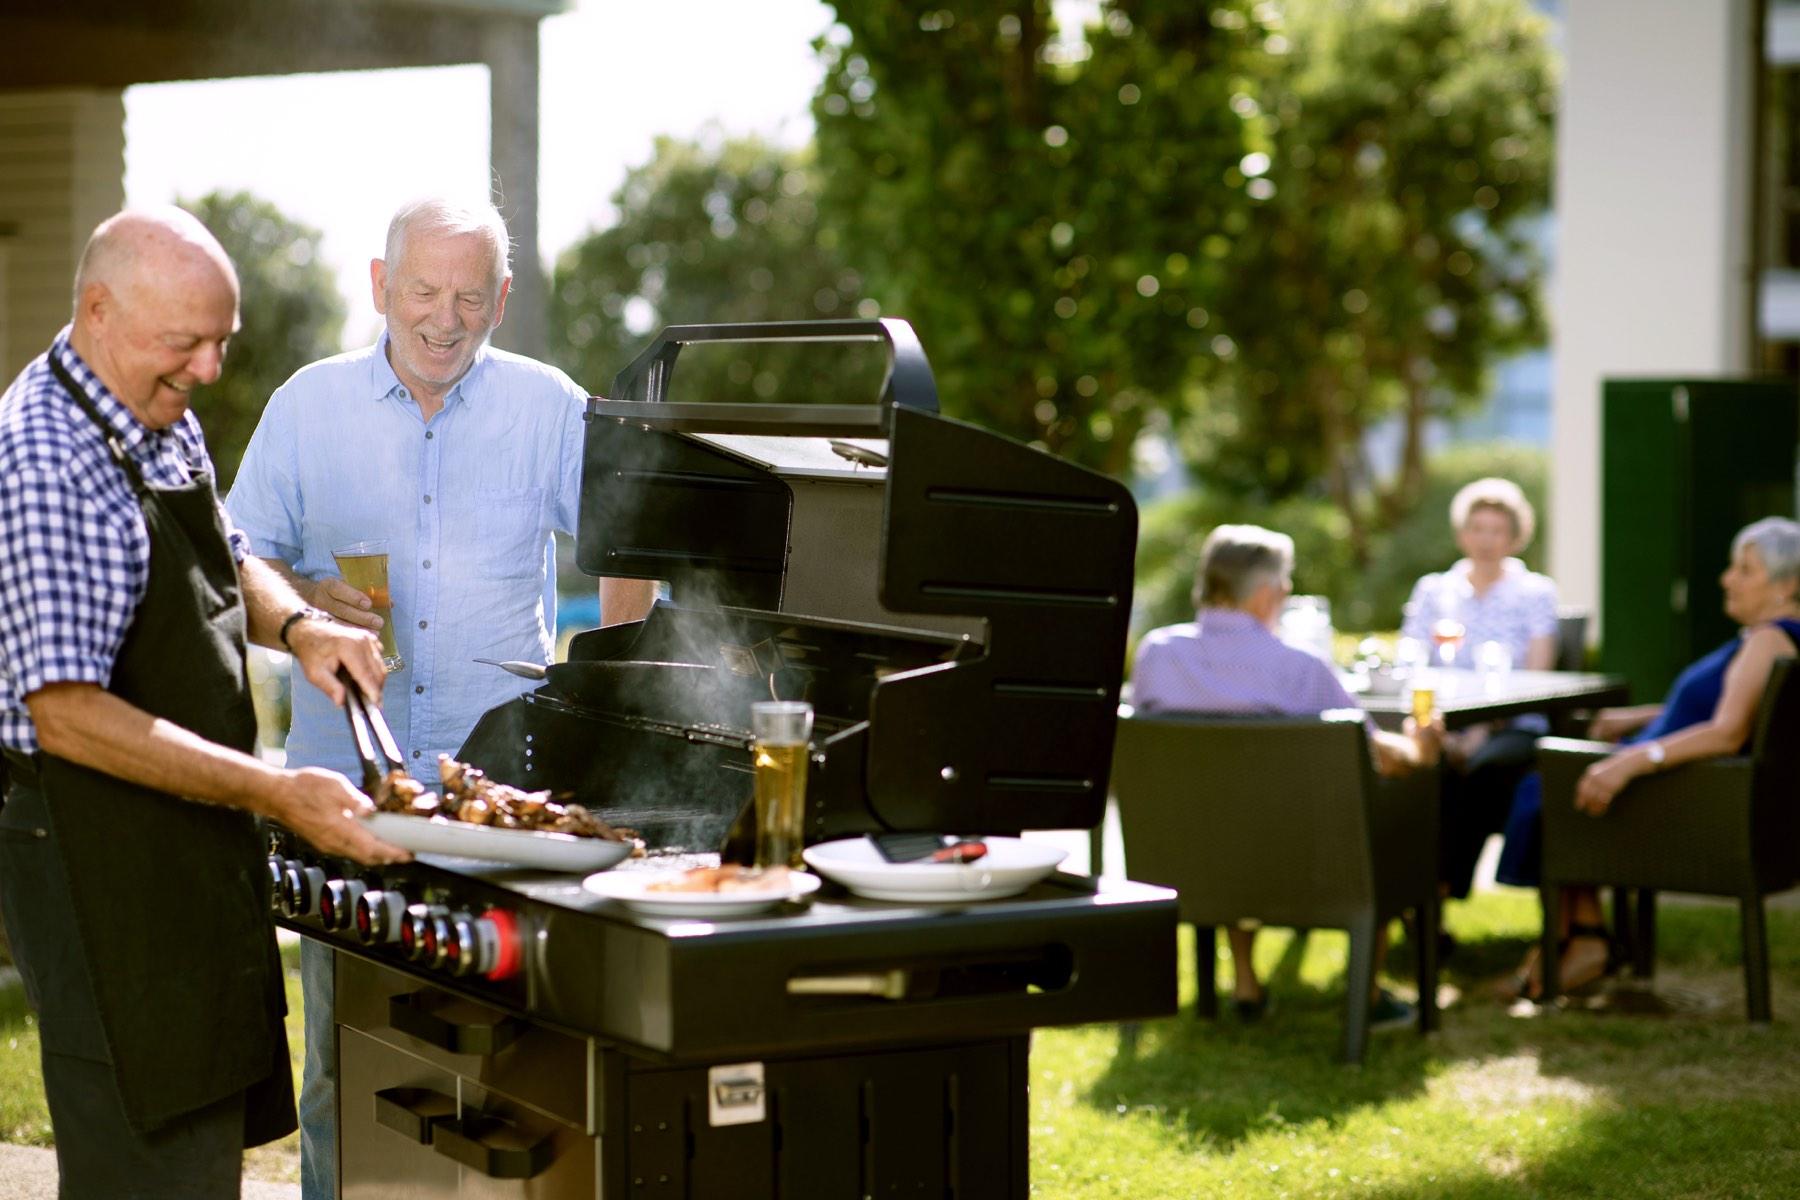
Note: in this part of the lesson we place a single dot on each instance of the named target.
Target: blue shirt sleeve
(264, 502)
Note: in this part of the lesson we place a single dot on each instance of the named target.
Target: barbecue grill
(953, 604)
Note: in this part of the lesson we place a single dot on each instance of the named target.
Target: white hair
(1238, 559)
(1777, 540)
(446, 216)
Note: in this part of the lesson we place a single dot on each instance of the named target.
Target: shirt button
(416, 753)
(428, 564)
(428, 435)
(423, 624)
(428, 499)
(419, 689)
(403, 394)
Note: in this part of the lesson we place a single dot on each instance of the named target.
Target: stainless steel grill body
(954, 607)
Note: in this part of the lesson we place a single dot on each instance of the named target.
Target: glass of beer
(1423, 692)
(364, 566)
(782, 730)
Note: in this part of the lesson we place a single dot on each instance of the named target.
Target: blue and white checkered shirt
(75, 550)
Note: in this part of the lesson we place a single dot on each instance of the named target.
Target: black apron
(171, 896)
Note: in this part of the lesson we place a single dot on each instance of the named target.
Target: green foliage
(1399, 148)
(290, 310)
(1042, 220)
(1362, 596)
(1264, 227)
(712, 234)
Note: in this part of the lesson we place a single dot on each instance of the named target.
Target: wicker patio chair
(1281, 820)
(1724, 827)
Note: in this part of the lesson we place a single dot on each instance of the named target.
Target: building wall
(1653, 190)
(62, 171)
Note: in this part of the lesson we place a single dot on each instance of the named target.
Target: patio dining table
(1469, 697)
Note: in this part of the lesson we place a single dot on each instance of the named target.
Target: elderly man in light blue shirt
(463, 459)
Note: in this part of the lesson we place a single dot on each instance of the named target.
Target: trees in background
(1042, 218)
(1251, 231)
(711, 233)
(289, 307)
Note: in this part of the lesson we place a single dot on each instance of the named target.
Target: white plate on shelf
(632, 889)
(525, 847)
(1009, 867)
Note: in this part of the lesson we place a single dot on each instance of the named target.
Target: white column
(1653, 205)
(62, 171)
(511, 49)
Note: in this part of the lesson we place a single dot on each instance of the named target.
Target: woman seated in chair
(1710, 711)
(1487, 596)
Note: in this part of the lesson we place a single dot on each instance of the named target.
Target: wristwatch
(1653, 750)
(301, 614)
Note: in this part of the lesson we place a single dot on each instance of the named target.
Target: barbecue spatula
(926, 847)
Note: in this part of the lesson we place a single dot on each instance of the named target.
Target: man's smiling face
(162, 342)
(441, 300)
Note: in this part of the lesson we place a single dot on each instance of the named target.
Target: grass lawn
(1576, 1103)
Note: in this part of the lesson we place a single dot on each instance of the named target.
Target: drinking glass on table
(1413, 663)
(364, 566)
(782, 730)
(1447, 635)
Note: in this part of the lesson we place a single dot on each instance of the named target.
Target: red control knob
(337, 903)
(508, 943)
(418, 938)
(378, 915)
(300, 886)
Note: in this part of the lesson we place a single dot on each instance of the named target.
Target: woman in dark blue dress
(1710, 711)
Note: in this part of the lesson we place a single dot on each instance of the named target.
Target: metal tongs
(375, 746)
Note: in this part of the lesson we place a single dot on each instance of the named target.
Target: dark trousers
(196, 1157)
(1476, 803)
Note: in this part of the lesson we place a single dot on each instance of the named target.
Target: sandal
(1526, 984)
(1592, 972)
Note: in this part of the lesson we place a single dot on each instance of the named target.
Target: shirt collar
(120, 421)
(383, 382)
(1229, 621)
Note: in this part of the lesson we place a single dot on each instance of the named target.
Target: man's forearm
(623, 600)
(84, 724)
(271, 592)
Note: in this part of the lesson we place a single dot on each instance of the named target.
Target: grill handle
(412, 1013)
(909, 380)
(493, 1146)
(412, 1112)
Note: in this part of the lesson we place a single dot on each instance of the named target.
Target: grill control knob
(378, 917)
(435, 940)
(416, 932)
(337, 903)
(474, 945)
(300, 887)
(509, 952)
(276, 866)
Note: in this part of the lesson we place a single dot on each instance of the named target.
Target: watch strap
(308, 613)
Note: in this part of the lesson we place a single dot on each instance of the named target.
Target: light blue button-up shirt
(466, 503)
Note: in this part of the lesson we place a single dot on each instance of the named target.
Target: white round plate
(525, 847)
(1009, 867)
(631, 888)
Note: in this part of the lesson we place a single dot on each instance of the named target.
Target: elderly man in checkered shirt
(131, 874)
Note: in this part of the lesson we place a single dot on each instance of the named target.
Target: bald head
(156, 301)
(138, 244)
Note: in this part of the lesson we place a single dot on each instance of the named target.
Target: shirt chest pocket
(509, 532)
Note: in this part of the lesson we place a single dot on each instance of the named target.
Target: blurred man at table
(1228, 660)
(464, 459)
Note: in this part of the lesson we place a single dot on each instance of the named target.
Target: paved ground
(27, 1173)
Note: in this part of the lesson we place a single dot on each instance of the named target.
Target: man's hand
(1463, 745)
(321, 647)
(322, 807)
(345, 603)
